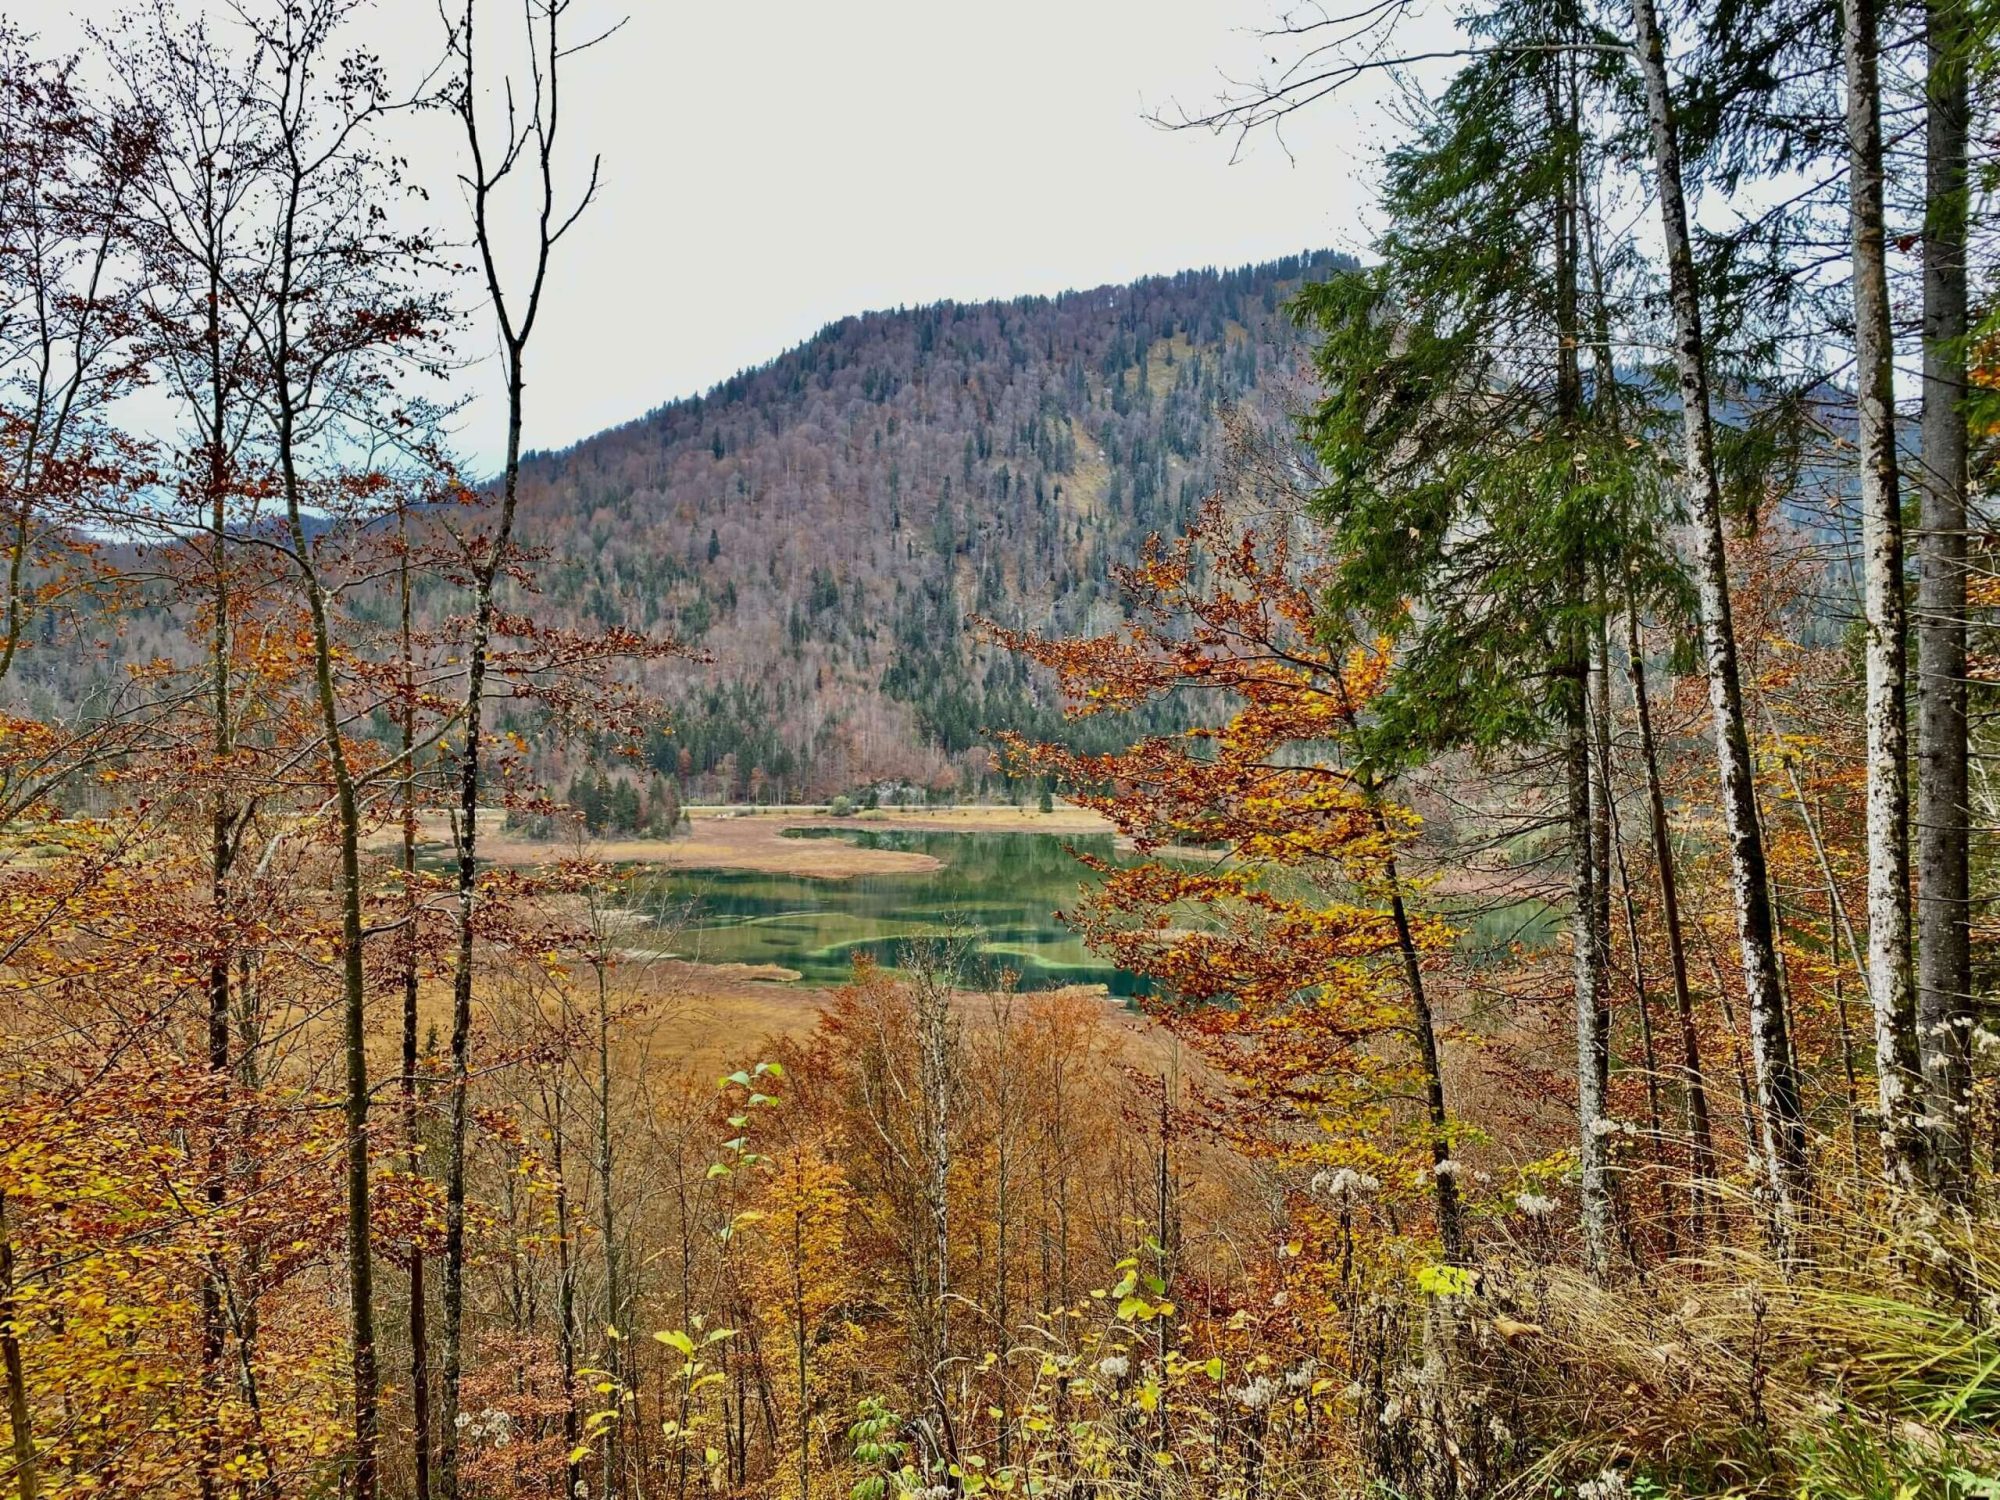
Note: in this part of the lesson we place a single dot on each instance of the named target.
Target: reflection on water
(1001, 891)
(1487, 932)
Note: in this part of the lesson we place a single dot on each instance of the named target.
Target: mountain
(824, 524)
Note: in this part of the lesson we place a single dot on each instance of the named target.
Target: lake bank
(769, 900)
(759, 840)
(990, 894)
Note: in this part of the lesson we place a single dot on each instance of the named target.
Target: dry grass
(1868, 1368)
(754, 839)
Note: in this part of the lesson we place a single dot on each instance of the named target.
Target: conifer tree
(1944, 964)
(1470, 481)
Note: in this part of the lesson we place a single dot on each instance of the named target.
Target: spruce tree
(1480, 491)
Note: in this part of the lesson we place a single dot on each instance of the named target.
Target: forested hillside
(822, 526)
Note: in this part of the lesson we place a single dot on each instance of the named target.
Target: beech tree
(341, 303)
(524, 150)
(1305, 840)
(69, 319)
(190, 224)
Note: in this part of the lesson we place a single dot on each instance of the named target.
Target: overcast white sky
(769, 167)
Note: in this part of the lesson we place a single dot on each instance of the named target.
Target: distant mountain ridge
(824, 523)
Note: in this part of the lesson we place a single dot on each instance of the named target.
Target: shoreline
(753, 839)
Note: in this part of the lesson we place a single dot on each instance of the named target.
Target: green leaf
(1445, 1281)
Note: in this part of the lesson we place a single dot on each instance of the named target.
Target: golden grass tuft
(1868, 1366)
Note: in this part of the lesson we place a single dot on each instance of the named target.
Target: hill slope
(823, 525)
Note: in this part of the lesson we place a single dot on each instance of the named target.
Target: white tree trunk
(1782, 1126)
(1882, 587)
(1593, 1140)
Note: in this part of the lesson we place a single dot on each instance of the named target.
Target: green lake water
(1000, 891)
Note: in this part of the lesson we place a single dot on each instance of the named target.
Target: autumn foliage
(1262, 912)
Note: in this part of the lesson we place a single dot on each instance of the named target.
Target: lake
(1000, 890)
